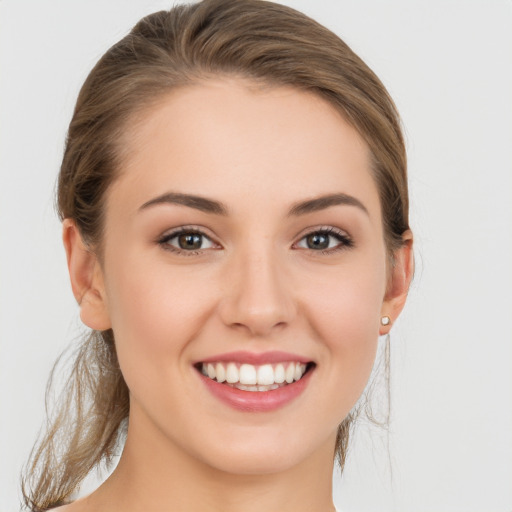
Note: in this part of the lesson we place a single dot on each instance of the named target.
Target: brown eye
(190, 241)
(186, 241)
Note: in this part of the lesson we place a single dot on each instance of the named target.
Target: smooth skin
(254, 281)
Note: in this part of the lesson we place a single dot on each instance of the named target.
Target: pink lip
(256, 359)
(257, 401)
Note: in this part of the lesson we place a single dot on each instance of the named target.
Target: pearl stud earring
(385, 320)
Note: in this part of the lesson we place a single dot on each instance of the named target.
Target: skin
(255, 285)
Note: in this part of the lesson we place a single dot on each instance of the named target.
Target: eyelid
(345, 239)
(164, 238)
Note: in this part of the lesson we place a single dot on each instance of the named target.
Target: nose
(257, 296)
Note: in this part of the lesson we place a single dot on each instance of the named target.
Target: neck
(155, 474)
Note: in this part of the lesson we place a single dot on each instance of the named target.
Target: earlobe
(86, 278)
(398, 284)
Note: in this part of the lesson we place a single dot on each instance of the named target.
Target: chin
(255, 464)
(261, 455)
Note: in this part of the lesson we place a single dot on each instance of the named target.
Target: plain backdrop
(448, 65)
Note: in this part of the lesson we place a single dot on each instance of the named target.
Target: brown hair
(264, 42)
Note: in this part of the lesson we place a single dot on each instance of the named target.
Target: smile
(249, 377)
(249, 382)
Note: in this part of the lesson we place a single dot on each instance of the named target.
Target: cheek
(155, 311)
(345, 303)
(346, 318)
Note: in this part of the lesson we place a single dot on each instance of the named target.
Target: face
(243, 239)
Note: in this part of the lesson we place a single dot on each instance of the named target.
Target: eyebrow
(199, 203)
(216, 207)
(323, 202)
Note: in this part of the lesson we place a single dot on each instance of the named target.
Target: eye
(325, 240)
(186, 240)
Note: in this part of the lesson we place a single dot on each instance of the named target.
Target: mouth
(255, 378)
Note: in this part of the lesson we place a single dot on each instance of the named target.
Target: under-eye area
(248, 377)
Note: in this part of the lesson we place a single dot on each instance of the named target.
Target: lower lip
(257, 401)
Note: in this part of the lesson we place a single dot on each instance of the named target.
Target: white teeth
(220, 372)
(298, 371)
(243, 387)
(248, 374)
(266, 375)
(290, 373)
(256, 388)
(268, 388)
(254, 378)
(232, 374)
(279, 374)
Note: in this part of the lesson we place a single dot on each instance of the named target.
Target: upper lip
(256, 359)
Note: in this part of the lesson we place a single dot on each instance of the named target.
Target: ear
(86, 278)
(401, 273)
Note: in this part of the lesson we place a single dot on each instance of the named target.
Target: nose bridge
(259, 296)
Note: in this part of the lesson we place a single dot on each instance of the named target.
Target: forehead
(241, 144)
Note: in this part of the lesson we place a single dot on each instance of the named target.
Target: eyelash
(184, 230)
(345, 241)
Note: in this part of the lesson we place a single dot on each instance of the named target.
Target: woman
(235, 217)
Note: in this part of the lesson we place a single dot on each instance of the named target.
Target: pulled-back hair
(266, 43)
